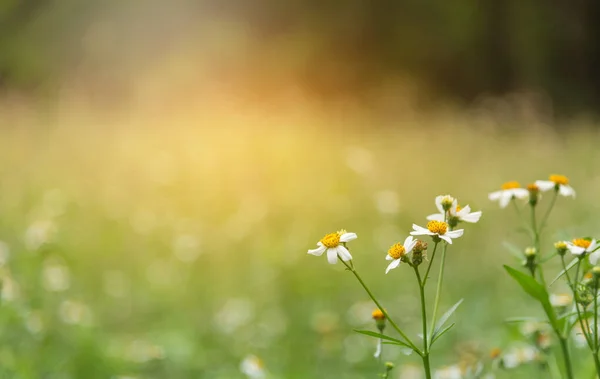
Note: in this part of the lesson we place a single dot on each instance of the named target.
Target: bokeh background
(165, 166)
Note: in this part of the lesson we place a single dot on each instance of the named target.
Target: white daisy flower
(509, 191)
(561, 300)
(437, 229)
(519, 356)
(580, 246)
(449, 372)
(253, 367)
(397, 251)
(559, 183)
(332, 243)
(454, 211)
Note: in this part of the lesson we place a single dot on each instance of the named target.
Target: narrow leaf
(446, 316)
(441, 333)
(383, 337)
(514, 320)
(535, 290)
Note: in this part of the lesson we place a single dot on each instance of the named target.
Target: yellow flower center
(511, 185)
(495, 353)
(559, 179)
(533, 188)
(378, 314)
(458, 208)
(438, 227)
(582, 242)
(397, 251)
(331, 240)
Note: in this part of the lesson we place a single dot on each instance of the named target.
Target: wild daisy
(580, 246)
(252, 367)
(455, 212)
(399, 251)
(508, 191)
(559, 183)
(333, 244)
(438, 230)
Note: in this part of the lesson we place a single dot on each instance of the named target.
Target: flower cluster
(513, 190)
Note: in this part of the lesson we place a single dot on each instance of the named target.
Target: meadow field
(175, 245)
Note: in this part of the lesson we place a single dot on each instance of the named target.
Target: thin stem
(438, 290)
(545, 219)
(425, 356)
(430, 264)
(536, 242)
(382, 309)
(595, 332)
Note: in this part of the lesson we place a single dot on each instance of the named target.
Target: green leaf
(569, 266)
(513, 320)
(441, 333)
(383, 337)
(438, 327)
(535, 290)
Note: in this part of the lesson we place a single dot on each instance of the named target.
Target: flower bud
(596, 272)
(379, 318)
(389, 365)
(561, 248)
(418, 252)
(534, 192)
(530, 252)
(447, 202)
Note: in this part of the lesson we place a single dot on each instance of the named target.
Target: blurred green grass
(175, 247)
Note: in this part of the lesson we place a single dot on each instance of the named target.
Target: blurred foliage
(151, 247)
(333, 49)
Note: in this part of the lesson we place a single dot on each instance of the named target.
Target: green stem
(438, 290)
(545, 219)
(430, 263)
(536, 242)
(595, 332)
(382, 309)
(565, 350)
(425, 356)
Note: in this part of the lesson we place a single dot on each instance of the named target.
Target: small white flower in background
(75, 313)
(55, 275)
(449, 204)
(398, 251)
(332, 243)
(253, 367)
(518, 356)
(509, 191)
(437, 229)
(10, 289)
(39, 233)
(560, 300)
(579, 246)
(448, 372)
(559, 183)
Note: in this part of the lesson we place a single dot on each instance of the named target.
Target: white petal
(545, 185)
(455, 233)
(347, 237)
(520, 193)
(593, 246)
(318, 251)
(495, 196)
(446, 238)
(438, 203)
(505, 199)
(436, 217)
(344, 253)
(594, 257)
(388, 257)
(378, 351)
(409, 243)
(393, 265)
(575, 250)
(566, 190)
(465, 210)
(419, 231)
(472, 217)
(332, 255)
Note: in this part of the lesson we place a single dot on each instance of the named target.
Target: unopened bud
(561, 248)
(534, 192)
(389, 366)
(530, 252)
(379, 318)
(447, 202)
